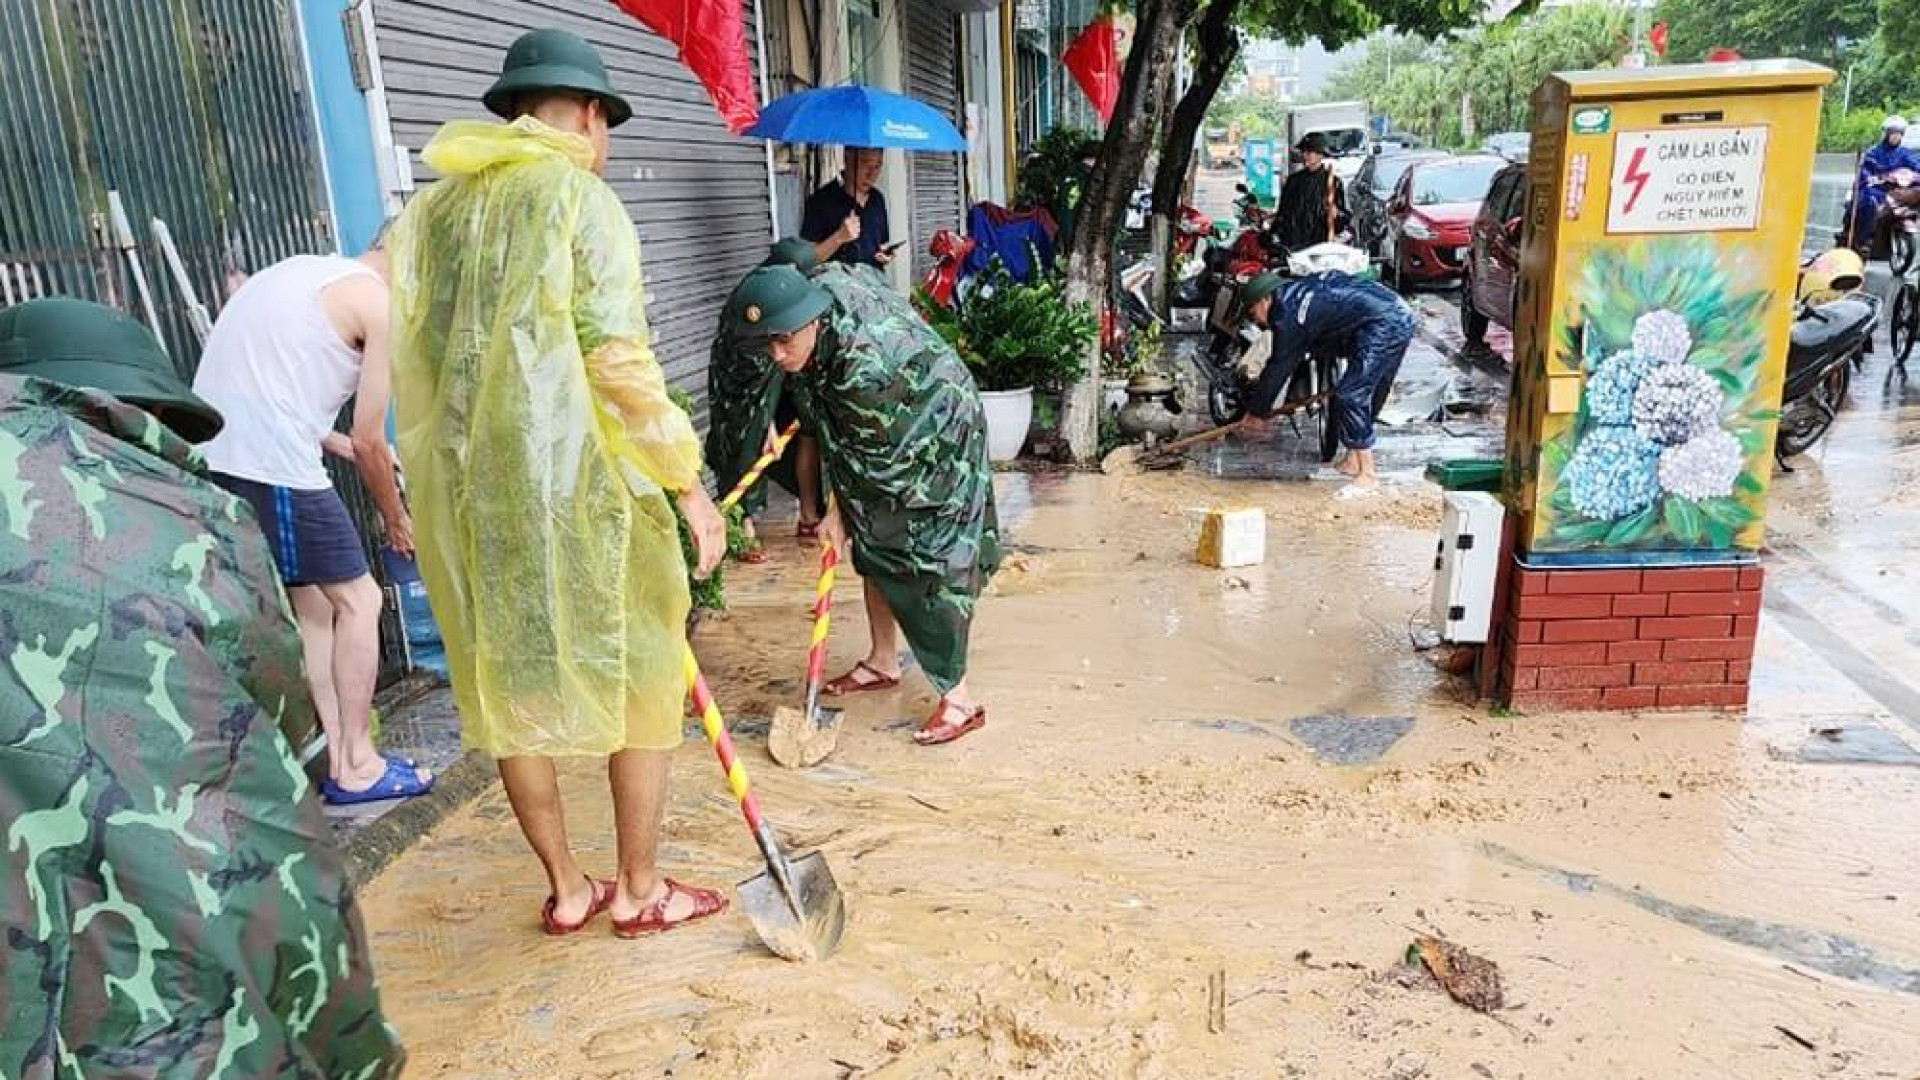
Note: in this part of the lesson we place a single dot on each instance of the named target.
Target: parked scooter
(1832, 330)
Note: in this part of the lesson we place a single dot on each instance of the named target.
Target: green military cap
(554, 60)
(1262, 285)
(94, 347)
(778, 300)
(795, 252)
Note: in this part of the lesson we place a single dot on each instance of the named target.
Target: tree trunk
(1157, 28)
(1161, 213)
(1217, 46)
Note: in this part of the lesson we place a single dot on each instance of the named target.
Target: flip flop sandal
(938, 730)
(400, 781)
(850, 683)
(754, 556)
(652, 919)
(805, 531)
(603, 891)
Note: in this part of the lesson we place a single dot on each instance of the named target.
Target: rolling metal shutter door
(933, 76)
(697, 193)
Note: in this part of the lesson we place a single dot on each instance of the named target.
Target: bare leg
(806, 472)
(639, 780)
(315, 616)
(1362, 471)
(534, 791)
(354, 668)
(883, 632)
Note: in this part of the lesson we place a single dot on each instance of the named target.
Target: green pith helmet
(778, 300)
(1258, 288)
(91, 346)
(795, 252)
(554, 60)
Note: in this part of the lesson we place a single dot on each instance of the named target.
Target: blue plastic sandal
(400, 781)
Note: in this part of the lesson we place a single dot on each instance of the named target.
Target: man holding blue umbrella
(847, 219)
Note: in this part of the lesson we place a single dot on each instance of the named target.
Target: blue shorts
(309, 532)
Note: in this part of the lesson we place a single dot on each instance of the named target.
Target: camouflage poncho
(171, 902)
(743, 391)
(904, 445)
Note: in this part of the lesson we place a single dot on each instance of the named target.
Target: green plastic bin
(1468, 474)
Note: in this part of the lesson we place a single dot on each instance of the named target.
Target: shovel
(1163, 457)
(760, 466)
(795, 906)
(801, 739)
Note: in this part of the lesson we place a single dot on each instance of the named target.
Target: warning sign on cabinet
(1687, 180)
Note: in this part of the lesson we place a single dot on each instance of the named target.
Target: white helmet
(1895, 122)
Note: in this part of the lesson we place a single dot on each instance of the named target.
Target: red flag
(712, 39)
(1094, 61)
(1657, 37)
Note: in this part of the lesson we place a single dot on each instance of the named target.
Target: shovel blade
(814, 932)
(799, 742)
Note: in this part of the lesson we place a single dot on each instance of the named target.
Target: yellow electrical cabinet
(1663, 224)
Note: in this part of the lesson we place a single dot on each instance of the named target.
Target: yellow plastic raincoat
(538, 440)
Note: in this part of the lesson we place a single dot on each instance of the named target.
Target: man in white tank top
(291, 347)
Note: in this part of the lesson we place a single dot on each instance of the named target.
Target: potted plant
(1016, 338)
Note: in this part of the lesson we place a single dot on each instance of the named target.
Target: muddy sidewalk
(1192, 776)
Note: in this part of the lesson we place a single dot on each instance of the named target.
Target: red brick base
(1658, 638)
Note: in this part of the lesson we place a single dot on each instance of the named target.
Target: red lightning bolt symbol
(1636, 176)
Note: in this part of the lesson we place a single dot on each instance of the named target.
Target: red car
(1430, 216)
(1491, 277)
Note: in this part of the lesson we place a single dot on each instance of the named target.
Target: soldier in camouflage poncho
(739, 384)
(903, 442)
(171, 903)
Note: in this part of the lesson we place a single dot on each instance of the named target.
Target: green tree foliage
(1823, 31)
(1426, 87)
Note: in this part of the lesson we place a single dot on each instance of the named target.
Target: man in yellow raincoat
(541, 449)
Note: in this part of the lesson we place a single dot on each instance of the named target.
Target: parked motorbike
(1827, 342)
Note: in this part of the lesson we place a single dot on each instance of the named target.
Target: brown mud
(1138, 848)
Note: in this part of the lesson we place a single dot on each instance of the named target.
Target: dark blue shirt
(829, 206)
(1316, 314)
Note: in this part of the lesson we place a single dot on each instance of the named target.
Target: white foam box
(1233, 538)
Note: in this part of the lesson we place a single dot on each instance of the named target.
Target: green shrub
(711, 594)
(1014, 336)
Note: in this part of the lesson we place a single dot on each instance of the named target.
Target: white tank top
(278, 372)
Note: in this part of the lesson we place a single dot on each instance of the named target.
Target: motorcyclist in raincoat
(172, 900)
(903, 440)
(1331, 312)
(542, 449)
(1884, 157)
(736, 380)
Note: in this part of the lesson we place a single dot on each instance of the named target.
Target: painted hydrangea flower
(1614, 473)
(1610, 390)
(1675, 402)
(1663, 336)
(1703, 467)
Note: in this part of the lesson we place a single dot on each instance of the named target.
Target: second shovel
(802, 738)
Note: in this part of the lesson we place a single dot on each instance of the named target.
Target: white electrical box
(1466, 566)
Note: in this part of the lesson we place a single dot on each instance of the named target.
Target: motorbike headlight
(1417, 229)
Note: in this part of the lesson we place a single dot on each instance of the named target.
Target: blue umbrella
(857, 116)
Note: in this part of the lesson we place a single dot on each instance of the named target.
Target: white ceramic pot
(1009, 415)
(1114, 391)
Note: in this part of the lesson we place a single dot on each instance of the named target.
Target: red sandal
(807, 531)
(754, 556)
(851, 684)
(652, 919)
(939, 730)
(602, 900)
